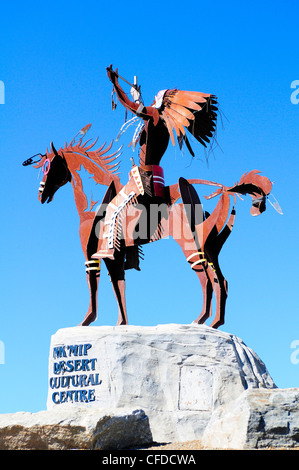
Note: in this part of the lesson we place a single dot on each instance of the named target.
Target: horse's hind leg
(116, 271)
(181, 232)
(195, 217)
(220, 288)
(213, 247)
(207, 289)
(204, 279)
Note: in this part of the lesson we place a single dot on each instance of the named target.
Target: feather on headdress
(191, 110)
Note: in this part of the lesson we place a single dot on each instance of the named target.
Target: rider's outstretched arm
(145, 112)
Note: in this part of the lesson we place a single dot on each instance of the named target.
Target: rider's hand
(111, 74)
(135, 94)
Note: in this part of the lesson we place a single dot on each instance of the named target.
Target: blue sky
(53, 60)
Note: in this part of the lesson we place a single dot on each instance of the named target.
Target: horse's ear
(54, 149)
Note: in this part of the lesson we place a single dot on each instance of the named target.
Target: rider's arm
(145, 112)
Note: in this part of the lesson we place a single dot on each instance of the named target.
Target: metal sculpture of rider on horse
(109, 232)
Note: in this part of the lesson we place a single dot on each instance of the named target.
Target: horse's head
(55, 170)
(257, 186)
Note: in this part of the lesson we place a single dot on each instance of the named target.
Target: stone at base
(258, 419)
(178, 374)
(74, 429)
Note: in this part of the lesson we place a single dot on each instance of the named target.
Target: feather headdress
(191, 110)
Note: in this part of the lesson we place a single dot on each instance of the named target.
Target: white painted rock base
(178, 374)
(127, 386)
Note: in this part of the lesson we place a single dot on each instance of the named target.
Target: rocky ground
(195, 445)
(188, 445)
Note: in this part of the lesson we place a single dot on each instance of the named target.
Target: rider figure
(146, 180)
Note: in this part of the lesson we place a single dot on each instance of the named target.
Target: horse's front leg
(116, 271)
(89, 242)
(93, 275)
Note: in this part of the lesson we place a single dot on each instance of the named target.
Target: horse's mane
(96, 162)
(101, 167)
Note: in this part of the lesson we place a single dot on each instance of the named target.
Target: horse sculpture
(117, 224)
